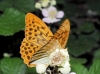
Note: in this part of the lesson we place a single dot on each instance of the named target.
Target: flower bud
(40, 68)
(53, 2)
(38, 5)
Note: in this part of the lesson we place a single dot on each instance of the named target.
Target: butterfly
(39, 41)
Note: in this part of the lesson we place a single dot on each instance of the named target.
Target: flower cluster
(59, 61)
(50, 13)
(44, 3)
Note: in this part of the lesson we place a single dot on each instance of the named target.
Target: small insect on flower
(52, 15)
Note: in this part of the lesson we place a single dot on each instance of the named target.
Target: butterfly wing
(58, 40)
(45, 51)
(62, 33)
(37, 34)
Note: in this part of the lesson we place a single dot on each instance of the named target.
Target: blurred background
(84, 16)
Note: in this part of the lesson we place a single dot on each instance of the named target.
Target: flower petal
(65, 70)
(52, 8)
(72, 73)
(45, 13)
(41, 68)
(54, 20)
(66, 64)
(47, 20)
(60, 14)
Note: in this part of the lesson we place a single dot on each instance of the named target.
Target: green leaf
(5, 4)
(22, 5)
(79, 69)
(94, 5)
(96, 55)
(95, 68)
(70, 9)
(81, 45)
(13, 66)
(31, 70)
(1, 72)
(77, 60)
(0, 68)
(11, 22)
(85, 27)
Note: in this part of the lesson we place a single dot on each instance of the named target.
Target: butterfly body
(39, 41)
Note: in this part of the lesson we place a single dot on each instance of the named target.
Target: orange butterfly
(39, 41)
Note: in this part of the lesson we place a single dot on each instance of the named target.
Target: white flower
(65, 70)
(72, 73)
(66, 64)
(51, 15)
(59, 57)
(41, 68)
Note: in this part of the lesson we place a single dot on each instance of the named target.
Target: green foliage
(31, 70)
(11, 22)
(96, 55)
(95, 68)
(81, 45)
(79, 69)
(22, 5)
(70, 9)
(86, 27)
(12, 66)
(16, 66)
(77, 60)
(94, 5)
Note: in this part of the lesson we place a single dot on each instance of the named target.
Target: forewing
(37, 34)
